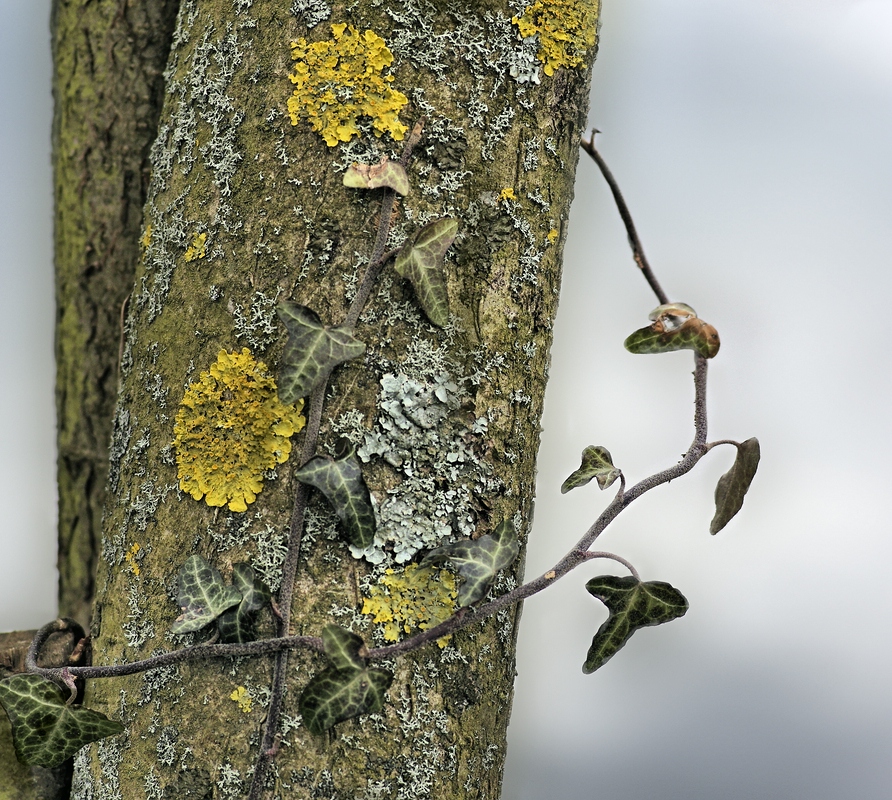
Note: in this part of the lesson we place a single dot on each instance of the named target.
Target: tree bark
(108, 58)
(245, 209)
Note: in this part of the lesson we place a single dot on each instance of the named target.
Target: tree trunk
(245, 209)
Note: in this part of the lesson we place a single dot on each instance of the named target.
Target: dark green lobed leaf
(202, 595)
(45, 731)
(345, 489)
(312, 350)
(335, 695)
(343, 648)
(632, 604)
(596, 463)
(477, 561)
(693, 334)
(420, 261)
(733, 485)
(236, 624)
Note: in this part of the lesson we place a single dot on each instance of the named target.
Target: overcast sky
(752, 141)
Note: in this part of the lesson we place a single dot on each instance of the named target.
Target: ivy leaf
(46, 731)
(335, 695)
(235, 624)
(596, 463)
(343, 648)
(676, 326)
(345, 489)
(632, 604)
(478, 560)
(420, 261)
(733, 485)
(387, 173)
(311, 351)
(202, 595)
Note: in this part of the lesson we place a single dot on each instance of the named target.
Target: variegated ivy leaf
(477, 561)
(676, 326)
(335, 695)
(596, 463)
(420, 261)
(345, 489)
(202, 595)
(46, 731)
(387, 173)
(312, 350)
(733, 485)
(236, 624)
(632, 604)
(343, 648)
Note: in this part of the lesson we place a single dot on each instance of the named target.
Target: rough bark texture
(245, 209)
(109, 56)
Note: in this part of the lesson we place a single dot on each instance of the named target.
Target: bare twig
(634, 241)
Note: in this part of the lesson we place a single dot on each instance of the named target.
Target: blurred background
(753, 142)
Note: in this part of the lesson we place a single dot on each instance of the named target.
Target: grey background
(752, 141)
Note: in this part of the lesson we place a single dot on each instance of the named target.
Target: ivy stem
(269, 739)
(634, 241)
(589, 555)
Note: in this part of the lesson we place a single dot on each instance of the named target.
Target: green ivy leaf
(478, 561)
(46, 731)
(387, 173)
(676, 326)
(335, 695)
(596, 463)
(733, 485)
(202, 595)
(343, 648)
(236, 624)
(632, 604)
(345, 489)
(420, 261)
(311, 351)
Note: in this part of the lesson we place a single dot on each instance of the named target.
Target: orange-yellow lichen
(567, 29)
(552, 236)
(507, 194)
(243, 699)
(146, 237)
(197, 249)
(416, 598)
(337, 81)
(130, 558)
(231, 428)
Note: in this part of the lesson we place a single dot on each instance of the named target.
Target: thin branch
(634, 241)
(198, 652)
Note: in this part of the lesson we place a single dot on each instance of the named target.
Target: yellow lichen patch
(197, 250)
(567, 29)
(146, 237)
(231, 428)
(339, 80)
(416, 598)
(552, 236)
(130, 558)
(244, 700)
(507, 194)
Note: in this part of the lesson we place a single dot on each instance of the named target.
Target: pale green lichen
(566, 31)
(337, 81)
(230, 429)
(416, 598)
